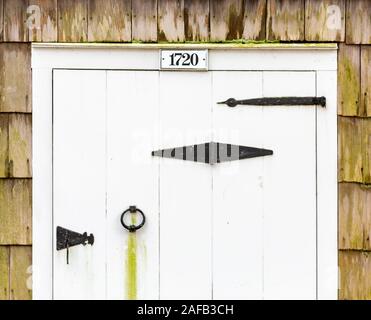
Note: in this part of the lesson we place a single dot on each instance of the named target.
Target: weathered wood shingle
(144, 20)
(15, 20)
(366, 150)
(171, 21)
(349, 80)
(72, 20)
(254, 22)
(196, 20)
(365, 106)
(358, 21)
(15, 211)
(15, 77)
(285, 20)
(43, 27)
(1, 20)
(4, 145)
(354, 216)
(4, 273)
(350, 160)
(355, 275)
(20, 134)
(109, 21)
(325, 20)
(226, 20)
(20, 272)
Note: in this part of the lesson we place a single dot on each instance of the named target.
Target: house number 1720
(184, 59)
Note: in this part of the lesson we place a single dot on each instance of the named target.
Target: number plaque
(184, 59)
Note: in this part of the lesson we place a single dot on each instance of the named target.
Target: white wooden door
(235, 230)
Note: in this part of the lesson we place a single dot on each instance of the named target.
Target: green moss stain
(131, 267)
(349, 82)
(131, 264)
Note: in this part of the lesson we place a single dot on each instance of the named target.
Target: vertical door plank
(72, 20)
(350, 149)
(132, 179)
(365, 81)
(20, 134)
(15, 211)
(255, 20)
(109, 20)
(238, 191)
(324, 20)
(15, 20)
(144, 20)
(354, 217)
(226, 20)
(4, 145)
(171, 20)
(366, 150)
(290, 256)
(79, 180)
(15, 77)
(20, 272)
(349, 78)
(285, 20)
(355, 275)
(42, 17)
(327, 186)
(358, 22)
(1, 20)
(4, 273)
(185, 188)
(196, 20)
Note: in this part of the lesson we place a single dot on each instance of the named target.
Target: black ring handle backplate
(132, 227)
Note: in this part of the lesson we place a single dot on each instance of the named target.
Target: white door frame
(321, 58)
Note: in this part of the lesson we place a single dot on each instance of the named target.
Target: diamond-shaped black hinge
(212, 152)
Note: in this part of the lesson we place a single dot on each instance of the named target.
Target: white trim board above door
(321, 62)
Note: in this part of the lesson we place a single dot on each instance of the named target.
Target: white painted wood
(237, 191)
(326, 164)
(185, 188)
(42, 143)
(272, 60)
(95, 59)
(289, 189)
(132, 179)
(247, 59)
(79, 173)
(327, 186)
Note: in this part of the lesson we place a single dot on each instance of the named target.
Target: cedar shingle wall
(344, 21)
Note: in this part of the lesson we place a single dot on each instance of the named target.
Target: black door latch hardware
(133, 227)
(279, 101)
(212, 152)
(67, 238)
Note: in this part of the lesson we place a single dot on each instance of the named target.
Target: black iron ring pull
(277, 101)
(133, 227)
